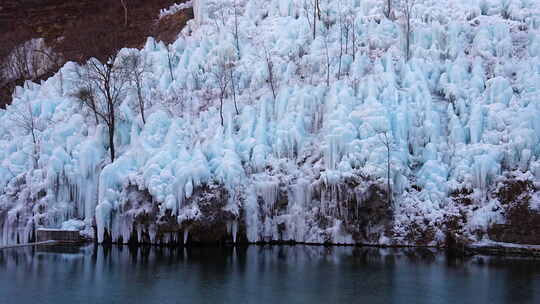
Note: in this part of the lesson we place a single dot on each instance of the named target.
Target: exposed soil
(522, 223)
(84, 28)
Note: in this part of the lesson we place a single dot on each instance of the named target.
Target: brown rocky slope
(81, 29)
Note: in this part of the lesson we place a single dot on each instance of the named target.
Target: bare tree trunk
(124, 5)
(169, 59)
(340, 39)
(353, 40)
(408, 39)
(387, 144)
(272, 79)
(34, 138)
(315, 5)
(388, 10)
(221, 73)
(347, 41)
(407, 12)
(141, 100)
(388, 173)
(271, 75)
(308, 12)
(93, 106)
(91, 102)
(234, 91)
(272, 84)
(111, 128)
(110, 108)
(236, 28)
(327, 52)
(347, 29)
(221, 109)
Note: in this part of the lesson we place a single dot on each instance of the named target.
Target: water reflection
(268, 274)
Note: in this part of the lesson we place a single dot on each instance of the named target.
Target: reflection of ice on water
(290, 255)
(63, 252)
(258, 274)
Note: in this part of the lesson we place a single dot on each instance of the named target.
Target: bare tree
(29, 60)
(221, 75)
(307, 11)
(235, 29)
(100, 89)
(233, 85)
(170, 57)
(25, 119)
(124, 5)
(408, 6)
(174, 101)
(312, 11)
(237, 45)
(326, 34)
(385, 140)
(388, 9)
(341, 41)
(87, 93)
(55, 61)
(20, 62)
(353, 38)
(349, 26)
(272, 81)
(136, 67)
(220, 14)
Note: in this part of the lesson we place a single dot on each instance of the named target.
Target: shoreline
(475, 249)
(30, 244)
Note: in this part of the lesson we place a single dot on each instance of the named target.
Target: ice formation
(302, 160)
(173, 9)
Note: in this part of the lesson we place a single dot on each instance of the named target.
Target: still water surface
(278, 274)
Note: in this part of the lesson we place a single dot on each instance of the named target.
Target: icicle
(103, 219)
(186, 235)
(252, 216)
(139, 233)
(188, 189)
(234, 230)
(152, 231)
(166, 238)
(268, 190)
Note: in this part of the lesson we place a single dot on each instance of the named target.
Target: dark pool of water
(279, 274)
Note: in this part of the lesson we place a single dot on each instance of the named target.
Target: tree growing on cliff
(313, 13)
(272, 80)
(407, 8)
(124, 5)
(28, 60)
(386, 141)
(221, 74)
(388, 9)
(236, 34)
(326, 41)
(136, 67)
(316, 15)
(23, 117)
(170, 59)
(101, 88)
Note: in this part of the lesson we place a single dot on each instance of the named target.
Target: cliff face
(78, 30)
(258, 130)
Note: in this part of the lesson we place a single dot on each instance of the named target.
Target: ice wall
(304, 159)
